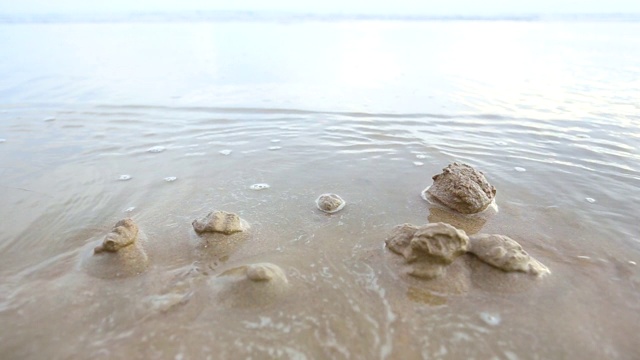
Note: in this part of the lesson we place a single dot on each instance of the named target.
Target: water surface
(163, 122)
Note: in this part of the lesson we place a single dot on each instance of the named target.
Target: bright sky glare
(396, 7)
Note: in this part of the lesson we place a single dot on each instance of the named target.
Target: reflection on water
(196, 117)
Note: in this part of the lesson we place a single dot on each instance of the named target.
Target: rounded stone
(330, 203)
(220, 222)
(462, 188)
(251, 285)
(428, 249)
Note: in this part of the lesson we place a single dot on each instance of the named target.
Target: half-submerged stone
(462, 188)
(220, 222)
(124, 233)
(120, 253)
(506, 254)
(330, 203)
(428, 249)
(251, 285)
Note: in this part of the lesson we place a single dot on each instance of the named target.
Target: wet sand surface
(562, 154)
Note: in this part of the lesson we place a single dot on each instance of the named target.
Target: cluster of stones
(427, 250)
(430, 248)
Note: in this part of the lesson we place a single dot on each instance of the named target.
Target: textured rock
(220, 222)
(506, 254)
(462, 188)
(428, 249)
(121, 253)
(330, 203)
(251, 285)
(124, 233)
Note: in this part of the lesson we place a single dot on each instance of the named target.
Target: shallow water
(163, 122)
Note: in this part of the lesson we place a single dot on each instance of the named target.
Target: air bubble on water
(591, 200)
(124, 177)
(170, 179)
(260, 186)
(129, 209)
(50, 118)
(490, 319)
(421, 156)
(225, 152)
(520, 169)
(156, 149)
(418, 163)
(275, 147)
(275, 140)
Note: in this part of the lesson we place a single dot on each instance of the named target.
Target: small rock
(506, 254)
(330, 203)
(428, 248)
(462, 188)
(124, 233)
(251, 285)
(219, 222)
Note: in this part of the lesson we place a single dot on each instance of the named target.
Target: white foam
(490, 319)
(418, 163)
(156, 149)
(170, 179)
(520, 169)
(225, 152)
(259, 186)
(275, 147)
(124, 177)
(591, 200)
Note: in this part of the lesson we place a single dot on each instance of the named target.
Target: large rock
(462, 188)
(220, 222)
(428, 249)
(506, 254)
(120, 254)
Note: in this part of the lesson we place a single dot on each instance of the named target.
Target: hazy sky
(450, 7)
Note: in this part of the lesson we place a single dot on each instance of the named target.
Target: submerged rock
(506, 254)
(330, 203)
(462, 188)
(428, 249)
(251, 285)
(220, 222)
(120, 254)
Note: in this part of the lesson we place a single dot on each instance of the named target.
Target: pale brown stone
(219, 222)
(506, 254)
(462, 188)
